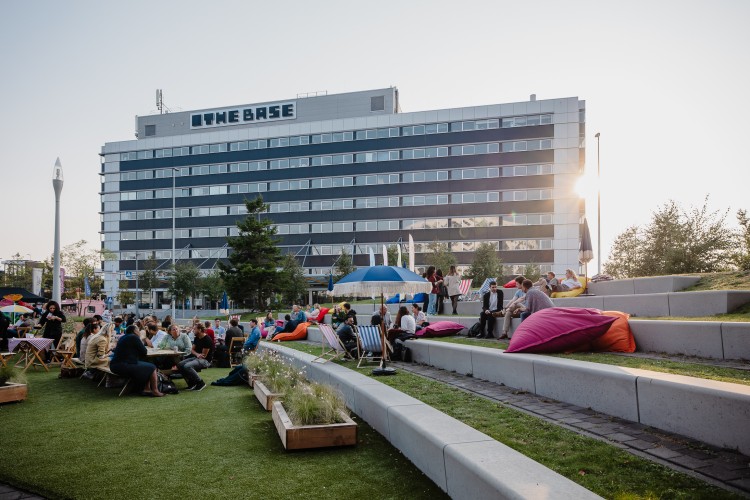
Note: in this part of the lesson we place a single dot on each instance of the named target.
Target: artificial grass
(710, 372)
(70, 439)
(600, 467)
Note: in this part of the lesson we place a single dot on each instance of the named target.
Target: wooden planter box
(264, 395)
(313, 436)
(13, 392)
(251, 380)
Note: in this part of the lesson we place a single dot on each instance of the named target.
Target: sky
(665, 84)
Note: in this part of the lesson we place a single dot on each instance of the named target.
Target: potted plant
(273, 378)
(313, 415)
(12, 386)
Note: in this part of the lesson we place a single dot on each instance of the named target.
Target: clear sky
(665, 83)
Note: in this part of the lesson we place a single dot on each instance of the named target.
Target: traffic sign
(128, 274)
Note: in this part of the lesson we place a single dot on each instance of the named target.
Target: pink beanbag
(440, 329)
(558, 329)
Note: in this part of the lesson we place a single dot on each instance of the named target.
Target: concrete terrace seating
(463, 462)
(654, 284)
(706, 339)
(714, 412)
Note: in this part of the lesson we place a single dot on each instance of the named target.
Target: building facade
(348, 171)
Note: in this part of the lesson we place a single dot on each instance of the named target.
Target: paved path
(10, 493)
(725, 468)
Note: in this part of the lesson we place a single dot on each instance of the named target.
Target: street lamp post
(57, 184)
(174, 175)
(598, 210)
(137, 315)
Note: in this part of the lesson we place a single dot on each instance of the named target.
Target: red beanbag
(322, 314)
(440, 329)
(511, 284)
(558, 329)
(299, 333)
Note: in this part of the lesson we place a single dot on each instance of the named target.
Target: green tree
(81, 262)
(392, 252)
(440, 256)
(486, 264)
(251, 274)
(185, 281)
(148, 280)
(344, 265)
(531, 272)
(17, 273)
(742, 255)
(293, 282)
(624, 257)
(125, 296)
(212, 286)
(676, 241)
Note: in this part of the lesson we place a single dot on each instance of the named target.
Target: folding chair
(65, 350)
(333, 343)
(4, 357)
(235, 350)
(369, 338)
(464, 288)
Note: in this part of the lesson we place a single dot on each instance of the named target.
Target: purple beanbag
(559, 329)
(440, 329)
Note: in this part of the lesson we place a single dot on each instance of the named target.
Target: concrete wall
(717, 413)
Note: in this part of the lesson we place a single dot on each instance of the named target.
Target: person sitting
(24, 321)
(382, 315)
(547, 284)
(252, 340)
(232, 332)
(167, 322)
(97, 350)
(492, 303)
(338, 316)
(219, 330)
(200, 357)
(536, 300)
(269, 324)
(4, 332)
(298, 316)
(107, 315)
(346, 334)
(350, 313)
(515, 307)
(210, 331)
(125, 363)
(118, 327)
(312, 314)
(406, 329)
(569, 283)
(91, 329)
(177, 339)
(420, 318)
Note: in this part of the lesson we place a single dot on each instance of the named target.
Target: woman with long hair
(452, 283)
(432, 278)
(52, 320)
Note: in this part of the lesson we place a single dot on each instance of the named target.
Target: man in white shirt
(219, 331)
(107, 316)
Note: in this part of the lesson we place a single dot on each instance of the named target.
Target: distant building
(349, 171)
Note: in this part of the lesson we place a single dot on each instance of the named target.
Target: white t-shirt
(408, 324)
(571, 283)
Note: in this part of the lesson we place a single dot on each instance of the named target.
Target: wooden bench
(109, 373)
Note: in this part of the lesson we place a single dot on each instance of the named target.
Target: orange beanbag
(618, 338)
(299, 333)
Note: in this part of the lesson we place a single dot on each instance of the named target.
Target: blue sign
(128, 274)
(86, 287)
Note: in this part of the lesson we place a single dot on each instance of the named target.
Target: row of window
(342, 159)
(183, 253)
(334, 182)
(454, 246)
(340, 227)
(381, 133)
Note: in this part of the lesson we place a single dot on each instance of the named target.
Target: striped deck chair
(370, 344)
(464, 288)
(333, 348)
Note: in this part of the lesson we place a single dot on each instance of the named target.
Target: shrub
(314, 404)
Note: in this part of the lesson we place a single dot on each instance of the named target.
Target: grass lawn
(598, 466)
(71, 439)
(732, 375)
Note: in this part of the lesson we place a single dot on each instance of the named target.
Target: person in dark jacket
(125, 363)
(492, 302)
(52, 320)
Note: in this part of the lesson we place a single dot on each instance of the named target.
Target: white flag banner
(36, 280)
(398, 247)
(385, 256)
(372, 257)
(411, 253)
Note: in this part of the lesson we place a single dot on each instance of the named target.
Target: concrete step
(637, 286)
(714, 412)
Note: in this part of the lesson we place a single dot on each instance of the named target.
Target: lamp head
(57, 171)
(597, 135)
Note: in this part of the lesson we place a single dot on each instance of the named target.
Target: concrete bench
(463, 462)
(632, 394)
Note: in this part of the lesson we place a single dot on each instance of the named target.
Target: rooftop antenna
(160, 102)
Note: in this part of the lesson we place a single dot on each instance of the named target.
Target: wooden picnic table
(30, 348)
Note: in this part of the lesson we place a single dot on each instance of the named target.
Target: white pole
(57, 184)
(174, 174)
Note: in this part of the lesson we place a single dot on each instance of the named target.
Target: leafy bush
(275, 373)
(11, 374)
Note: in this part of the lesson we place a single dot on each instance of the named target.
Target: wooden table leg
(41, 361)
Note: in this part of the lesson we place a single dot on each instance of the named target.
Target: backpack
(165, 384)
(475, 330)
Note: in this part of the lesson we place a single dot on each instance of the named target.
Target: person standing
(452, 282)
(536, 300)
(492, 302)
(52, 320)
(442, 291)
(432, 278)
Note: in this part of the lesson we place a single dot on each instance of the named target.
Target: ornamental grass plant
(311, 403)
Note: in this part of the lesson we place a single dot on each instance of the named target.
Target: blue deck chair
(369, 344)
